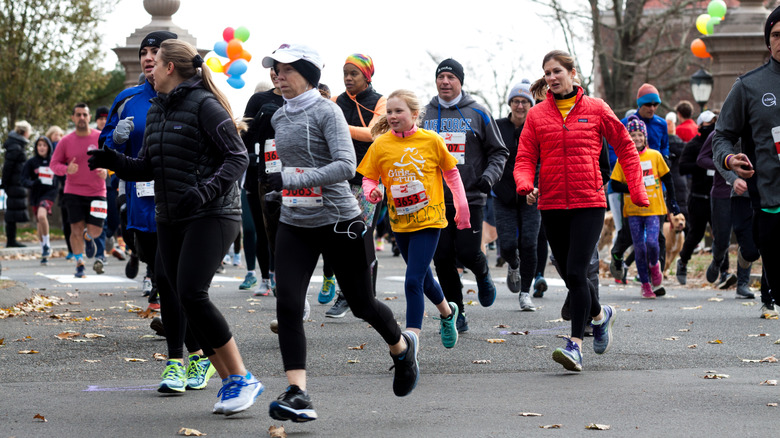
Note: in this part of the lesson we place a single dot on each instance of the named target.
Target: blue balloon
(220, 48)
(236, 82)
(237, 67)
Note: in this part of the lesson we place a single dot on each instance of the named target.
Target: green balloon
(717, 8)
(714, 21)
(242, 33)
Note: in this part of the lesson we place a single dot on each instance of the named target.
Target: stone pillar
(737, 46)
(162, 12)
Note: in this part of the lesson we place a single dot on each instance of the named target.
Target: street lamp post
(701, 87)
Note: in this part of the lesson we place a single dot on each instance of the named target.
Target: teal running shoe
(328, 290)
(173, 381)
(199, 371)
(448, 331)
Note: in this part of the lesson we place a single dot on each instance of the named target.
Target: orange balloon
(699, 49)
(226, 67)
(246, 56)
(234, 49)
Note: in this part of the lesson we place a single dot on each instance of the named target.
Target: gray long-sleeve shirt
(317, 139)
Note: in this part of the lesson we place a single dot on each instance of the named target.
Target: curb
(14, 294)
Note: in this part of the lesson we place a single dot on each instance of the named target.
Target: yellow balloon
(214, 64)
(701, 23)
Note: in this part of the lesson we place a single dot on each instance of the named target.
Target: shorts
(90, 209)
(44, 203)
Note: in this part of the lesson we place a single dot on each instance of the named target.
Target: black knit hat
(771, 20)
(309, 71)
(101, 111)
(156, 38)
(452, 66)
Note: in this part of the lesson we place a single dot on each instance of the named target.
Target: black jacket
(190, 141)
(16, 204)
(367, 99)
(701, 183)
(260, 108)
(38, 190)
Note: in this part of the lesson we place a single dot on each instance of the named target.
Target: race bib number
(776, 138)
(409, 197)
(46, 175)
(98, 209)
(456, 144)
(647, 173)
(303, 197)
(145, 188)
(272, 162)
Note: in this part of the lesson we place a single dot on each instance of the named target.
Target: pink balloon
(227, 34)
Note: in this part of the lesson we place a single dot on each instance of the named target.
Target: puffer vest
(367, 99)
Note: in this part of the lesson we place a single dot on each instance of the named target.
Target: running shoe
(682, 272)
(328, 290)
(80, 269)
(743, 291)
(218, 409)
(449, 333)
(570, 357)
(44, 261)
(769, 311)
(249, 282)
(131, 268)
(462, 323)
(147, 287)
(69, 256)
(486, 290)
(237, 259)
(407, 369)
(540, 286)
(656, 276)
(647, 291)
(239, 393)
(157, 326)
(272, 281)
(294, 405)
(339, 308)
(173, 380)
(380, 244)
(199, 371)
(513, 279)
(602, 333)
(221, 268)
(713, 271)
(616, 267)
(45, 251)
(154, 305)
(526, 305)
(265, 288)
(118, 253)
(727, 280)
(89, 246)
(98, 266)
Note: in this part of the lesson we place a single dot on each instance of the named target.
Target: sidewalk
(11, 292)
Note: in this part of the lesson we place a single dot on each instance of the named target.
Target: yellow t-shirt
(653, 168)
(411, 169)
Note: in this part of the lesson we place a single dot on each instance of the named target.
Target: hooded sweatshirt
(38, 177)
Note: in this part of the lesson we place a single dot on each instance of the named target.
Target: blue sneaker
(540, 286)
(294, 404)
(328, 290)
(69, 256)
(173, 381)
(570, 357)
(89, 246)
(199, 371)
(486, 290)
(602, 333)
(448, 331)
(45, 251)
(249, 282)
(407, 369)
(462, 323)
(239, 393)
(80, 270)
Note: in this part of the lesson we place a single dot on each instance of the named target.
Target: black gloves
(103, 158)
(189, 202)
(483, 185)
(274, 181)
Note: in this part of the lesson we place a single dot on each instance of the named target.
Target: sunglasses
(654, 104)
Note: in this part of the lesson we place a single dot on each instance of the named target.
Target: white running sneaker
(239, 393)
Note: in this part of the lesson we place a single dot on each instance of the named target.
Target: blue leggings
(644, 233)
(417, 249)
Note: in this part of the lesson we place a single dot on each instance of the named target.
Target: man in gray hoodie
(751, 113)
(473, 138)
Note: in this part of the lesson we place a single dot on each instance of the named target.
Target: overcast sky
(397, 35)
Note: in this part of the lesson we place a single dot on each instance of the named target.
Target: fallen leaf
(359, 347)
(684, 330)
(2, 341)
(760, 335)
(91, 360)
(551, 426)
(159, 356)
(691, 308)
(148, 313)
(594, 426)
(186, 431)
(555, 320)
(40, 417)
(148, 336)
(277, 432)
(28, 352)
(496, 341)
(471, 291)
(769, 382)
(471, 303)
(72, 295)
(67, 335)
(751, 360)
(774, 405)
(134, 359)
(715, 341)
(777, 341)
(529, 414)
(501, 326)
(540, 346)
(716, 376)
(715, 299)
(770, 359)
(749, 303)
(390, 298)
(106, 294)
(692, 346)
(353, 361)
(94, 335)
(481, 361)
(673, 338)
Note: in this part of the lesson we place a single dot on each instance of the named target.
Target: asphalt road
(650, 383)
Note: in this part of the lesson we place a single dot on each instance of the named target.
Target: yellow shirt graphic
(653, 168)
(411, 168)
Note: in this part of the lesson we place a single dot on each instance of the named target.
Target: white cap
(289, 53)
(671, 117)
(705, 117)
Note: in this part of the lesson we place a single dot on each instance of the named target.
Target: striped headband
(364, 63)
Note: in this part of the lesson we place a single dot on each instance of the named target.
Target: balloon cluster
(705, 23)
(232, 48)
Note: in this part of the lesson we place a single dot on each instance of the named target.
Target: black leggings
(459, 246)
(572, 235)
(766, 232)
(699, 212)
(297, 252)
(191, 251)
(177, 332)
(255, 238)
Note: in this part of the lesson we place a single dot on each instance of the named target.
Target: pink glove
(462, 213)
(370, 190)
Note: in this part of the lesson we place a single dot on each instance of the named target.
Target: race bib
(303, 197)
(647, 173)
(145, 188)
(456, 144)
(46, 175)
(409, 197)
(272, 162)
(98, 209)
(776, 138)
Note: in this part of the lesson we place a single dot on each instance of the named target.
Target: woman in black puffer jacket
(16, 204)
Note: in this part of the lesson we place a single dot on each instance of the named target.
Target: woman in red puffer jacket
(565, 133)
